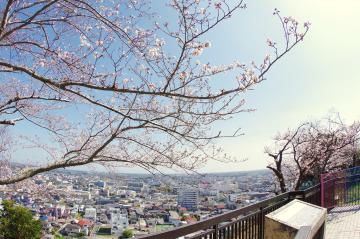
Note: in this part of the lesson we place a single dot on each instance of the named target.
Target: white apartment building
(90, 213)
(118, 221)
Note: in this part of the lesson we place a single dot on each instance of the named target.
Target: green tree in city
(16, 222)
(127, 233)
(58, 236)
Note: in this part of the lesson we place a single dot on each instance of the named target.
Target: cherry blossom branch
(100, 83)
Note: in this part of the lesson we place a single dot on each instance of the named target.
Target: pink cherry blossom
(98, 83)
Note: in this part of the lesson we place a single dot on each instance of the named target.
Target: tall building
(135, 186)
(119, 221)
(188, 198)
(100, 184)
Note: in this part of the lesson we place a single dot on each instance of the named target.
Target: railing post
(290, 196)
(216, 231)
(303, 195)
(261, 223)
(322, 177)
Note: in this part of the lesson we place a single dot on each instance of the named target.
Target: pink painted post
(322, 190)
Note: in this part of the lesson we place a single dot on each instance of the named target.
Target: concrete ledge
(286, 222)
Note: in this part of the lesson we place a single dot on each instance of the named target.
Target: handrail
(341, 177)
(211, 222)
(201, 225)
(311, 191)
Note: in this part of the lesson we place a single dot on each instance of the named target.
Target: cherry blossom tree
(313, 148)
(111, 82)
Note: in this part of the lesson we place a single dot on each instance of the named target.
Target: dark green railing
(242, 223)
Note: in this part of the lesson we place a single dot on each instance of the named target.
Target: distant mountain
(106, 173)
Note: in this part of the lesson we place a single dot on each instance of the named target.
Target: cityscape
(100, 205)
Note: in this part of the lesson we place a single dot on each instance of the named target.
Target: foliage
(300, 156)
(16, 222)
(197, 217)
(58, 236)
(81, 234)
(78, 215)
(128, 233)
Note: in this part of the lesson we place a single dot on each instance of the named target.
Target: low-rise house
(174, 218)
(72, 230)
(84, 223)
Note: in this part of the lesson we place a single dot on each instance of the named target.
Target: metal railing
(340, 188)
(242, 223)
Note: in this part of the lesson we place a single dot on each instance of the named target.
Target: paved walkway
(343, 223)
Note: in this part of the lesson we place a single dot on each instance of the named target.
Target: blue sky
(317, 77)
